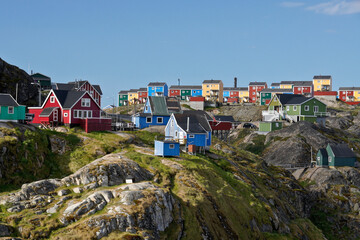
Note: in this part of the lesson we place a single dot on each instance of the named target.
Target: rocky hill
(11, 75)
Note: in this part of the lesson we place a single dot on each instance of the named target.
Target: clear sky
(123, 44)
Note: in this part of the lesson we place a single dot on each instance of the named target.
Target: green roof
(158, 105)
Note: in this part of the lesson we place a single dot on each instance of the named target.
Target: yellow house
(212, 90)
(286, 84)
(244, 94)
(322, 83)
(133, 96)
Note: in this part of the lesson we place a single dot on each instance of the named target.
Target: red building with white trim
(66, 107)
(142, 95)
(254, 89)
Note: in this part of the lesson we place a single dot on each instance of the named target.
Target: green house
(267, 94)
(185, 94)
(294, 108)
(10, 110)
(322, 158)
(336, 155)
(123, 98)
(270, 126)
(44, 81)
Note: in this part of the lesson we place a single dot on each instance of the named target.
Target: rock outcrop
(10, 76)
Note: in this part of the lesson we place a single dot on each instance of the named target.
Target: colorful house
(212, 90)
(44, 81)
(322, 83)
(305, 88)
(243, 94)
(189, 128)
(349, 94)
(157, 111)
(275, 85)
(94, 90)
(166, 148)
(123, 98)
(142, 95)
(66, 107)
(336, 155)
(270, 126)
(255, 89)
(185, 91)
(267, 93)
(10, 110)
(231, 95)
(157, 89)
(133, 97)
(294, 108)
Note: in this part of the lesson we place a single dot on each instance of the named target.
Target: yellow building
(322, 83)
(133, 96)
(286, 84)
(244, 94)
(212, 90)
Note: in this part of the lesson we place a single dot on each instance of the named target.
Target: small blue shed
(166, 148)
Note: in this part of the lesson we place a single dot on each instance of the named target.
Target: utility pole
(17, 88)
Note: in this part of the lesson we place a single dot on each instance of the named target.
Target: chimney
(188, 123)
(235, 82)
(31, 72)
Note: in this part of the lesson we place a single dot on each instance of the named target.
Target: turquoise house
(10, 110)
(336, 155)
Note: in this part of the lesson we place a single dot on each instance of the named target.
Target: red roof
(197, 99)
(325, 93)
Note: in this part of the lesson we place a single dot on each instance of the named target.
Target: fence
(96, 124)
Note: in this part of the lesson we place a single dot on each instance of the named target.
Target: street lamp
(39, 86)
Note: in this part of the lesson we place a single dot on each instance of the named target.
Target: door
(55, 116)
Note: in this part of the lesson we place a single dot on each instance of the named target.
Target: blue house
(157, 111)
(166, 148)
(157, 89)
(190, 128)
(196, 91)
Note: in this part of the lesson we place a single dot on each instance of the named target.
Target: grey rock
(5, 230)
(78, 190)
(63, 192)
(128, 197)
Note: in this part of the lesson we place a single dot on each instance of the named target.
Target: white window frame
(316, 109)
(147, 118)
(12, 110)
(294, 108)
(84, 114)
(85, 102)
(75, 113)
(276, 124)
(52, 99)
(80, 115)
(329, 159)
(171, 146)
(287, 108)
(176, 133)
(191, 136)
(89, 114)
(65, 114)
(172, 122)
(158, 118)
(307, 108)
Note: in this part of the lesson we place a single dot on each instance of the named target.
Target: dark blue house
(190, 128)
(166, 148)
(157, 89)
(157, 111)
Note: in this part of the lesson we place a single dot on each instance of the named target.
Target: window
(176, 133)
(146, 108)
(318, 81)
(159, 120)
(11, 110)
(306, 107)
(287, 108)
(344, 92)
(207, 91)
(253, 93)
(207, 85)
(294, 108)
(329, 158)
(52, 99)
(253, 99)
(276, 124)
(84, 114)
(316, 109)
(85, 102)
(183, 91)
(80, 114)
(191, 136)
(193, 91)
(75, 113)
(171, 146)
(92, 93)
(299, 88)
(148, 120)
(65, 114)
(172, 122)
(172, 91)
(89, 114)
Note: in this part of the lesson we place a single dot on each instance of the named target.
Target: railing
(293, 166)
(322, 114)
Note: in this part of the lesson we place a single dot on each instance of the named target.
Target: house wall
(123, 98)
(293, 109)
(142, 96)
(18, 113)
(265, 126)
(234, 94)
(311, 103)
(93, 107)
(163, 149)
(47, 104)
(321, 160)
(141, 123)
(147, 107)
(243, 95)
(91, 90)
(198, 140)
(337, 161)
(132, 96)
(174, 92)
(286, 86)
(253, 92)
(226, 93)
(196, 92)
(320, 83)
(207, 87)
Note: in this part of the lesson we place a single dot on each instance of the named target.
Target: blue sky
(123, 44)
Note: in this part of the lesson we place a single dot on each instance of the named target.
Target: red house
(305, 88)
(142, 95)
(254, 89)
(70, 108)
(94, 90)
(174, 91)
